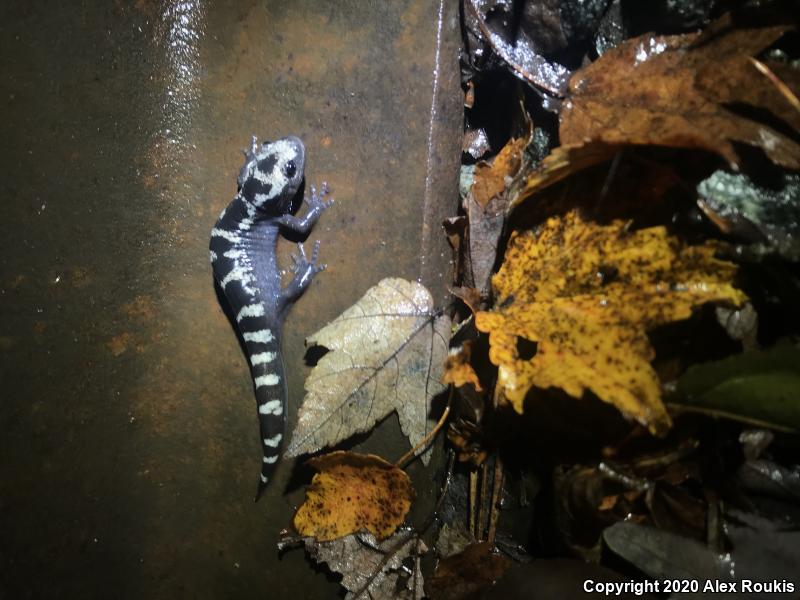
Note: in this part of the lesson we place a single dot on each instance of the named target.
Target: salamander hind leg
(304, 271)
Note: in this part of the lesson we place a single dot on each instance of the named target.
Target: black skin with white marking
(242, 249)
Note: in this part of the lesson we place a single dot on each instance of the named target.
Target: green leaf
(760, 387)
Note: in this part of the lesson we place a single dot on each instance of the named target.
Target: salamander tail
(262, 485)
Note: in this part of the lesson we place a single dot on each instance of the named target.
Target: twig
(497, 490)
(417, 568)
(496, 396)
(612, 173)
(782, 87)
(411, 454)
(482, 507)
(390, 552)
(451, 461)
(473, 501)
(676, 409)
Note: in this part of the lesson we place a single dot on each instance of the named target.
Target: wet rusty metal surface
(128, 436)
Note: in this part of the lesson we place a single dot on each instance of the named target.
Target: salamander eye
(289, 169)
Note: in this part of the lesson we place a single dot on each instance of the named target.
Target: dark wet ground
(128, 438)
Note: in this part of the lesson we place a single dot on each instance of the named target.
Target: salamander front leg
(317, 204)
(304, 271)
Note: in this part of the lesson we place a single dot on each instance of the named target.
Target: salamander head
(272, 174)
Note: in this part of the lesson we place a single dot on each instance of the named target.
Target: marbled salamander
(242, 250)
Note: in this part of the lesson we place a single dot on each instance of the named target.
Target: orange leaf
(457, 368)
(674, 91)
(353, 492)
(490, 179)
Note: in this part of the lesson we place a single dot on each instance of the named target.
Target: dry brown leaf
(469, 295)
(466, 429)
(585, 295)
(732, 79)
(490, 178)
(673, 91)
(456, 230)
(466, 574)
(457, 368)
(487, 205)
(452, 539)
(520, 53)
(467, 440)
(372, 569)
(387, 353)
(786, 79)
(353, 492)
(608, 502)
(562, 162)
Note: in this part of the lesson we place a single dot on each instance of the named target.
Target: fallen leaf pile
(614, 203)
(386, 354)
(586, 294)
(351, 493)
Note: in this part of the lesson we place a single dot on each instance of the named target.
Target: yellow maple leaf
(353, 492)
(586, 294)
